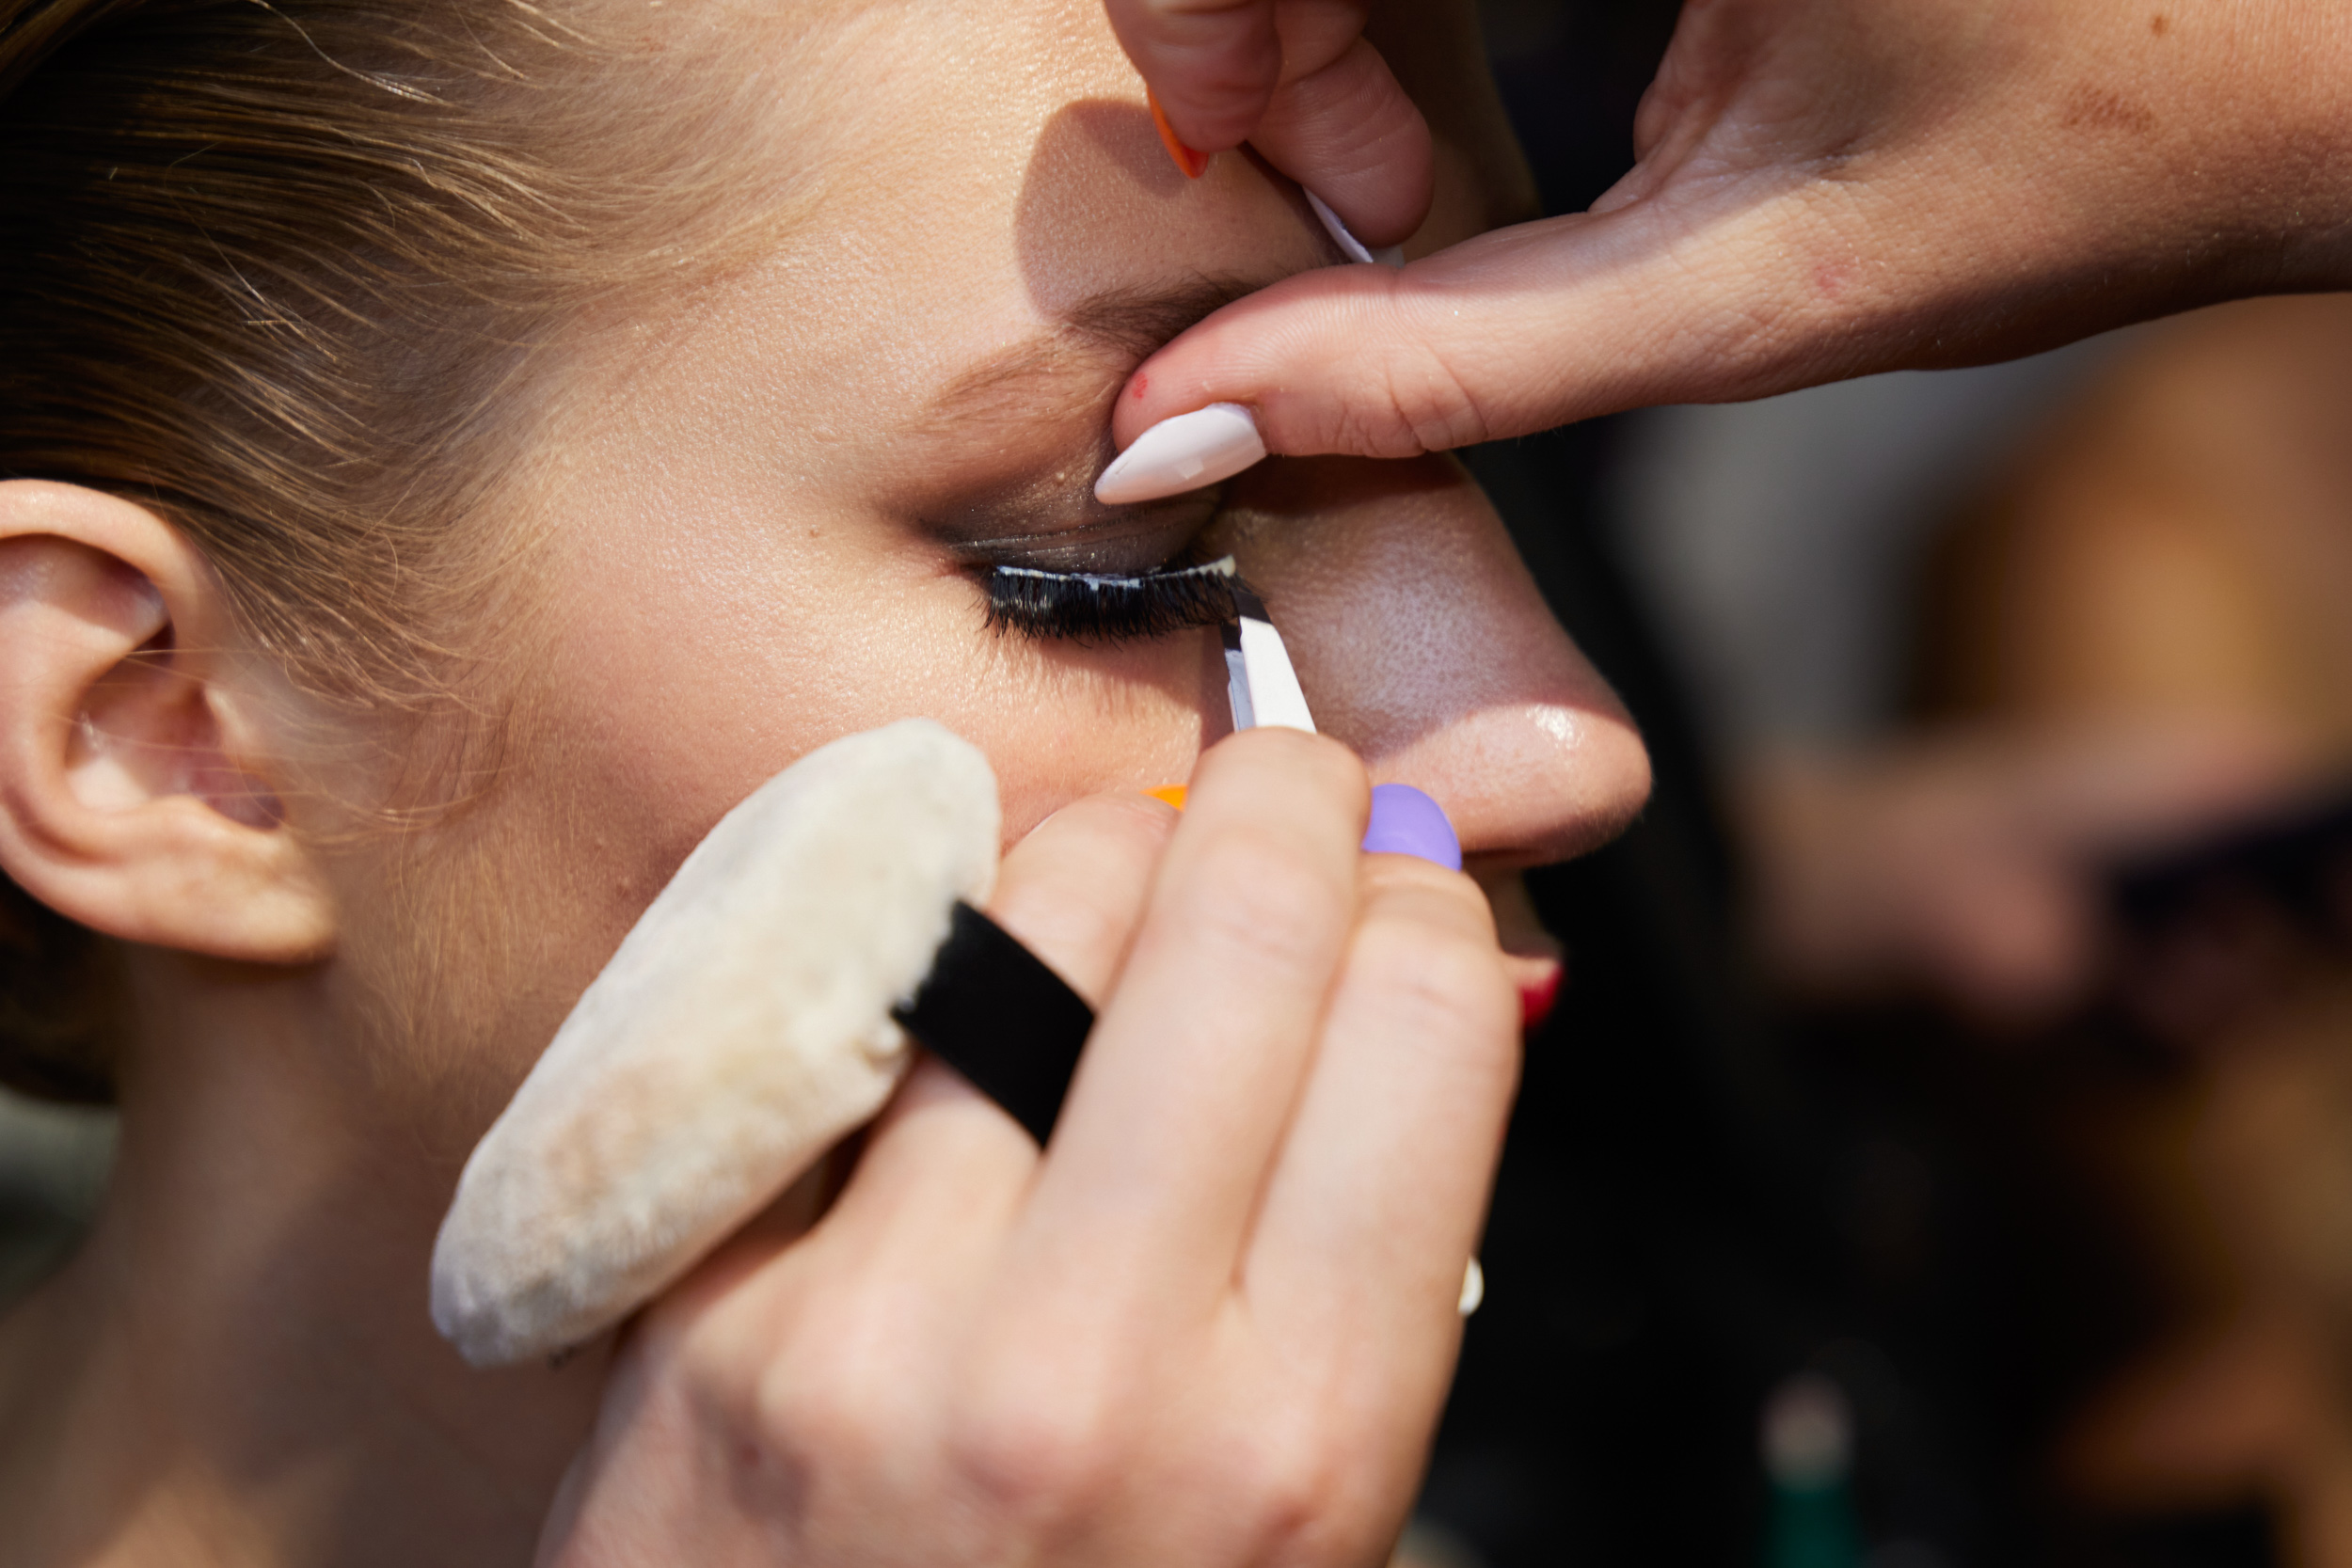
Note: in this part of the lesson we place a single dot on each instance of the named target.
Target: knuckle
(1294, 1489)
(810, 1399)
(805, 1406)
(1043, 1452)
(1435, 975)
(1265, 900)
(1289, 1484)
(1074, 888)
(1427, 399)
(1425, 889)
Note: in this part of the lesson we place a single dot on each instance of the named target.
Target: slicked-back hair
(281, 271)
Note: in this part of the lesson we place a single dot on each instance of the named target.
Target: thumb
(1299, 83)
(1346, 131)
(1516, 332)
(1213, 64)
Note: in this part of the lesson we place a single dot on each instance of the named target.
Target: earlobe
(131, 796)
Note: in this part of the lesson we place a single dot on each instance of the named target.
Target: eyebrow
(1069, 369)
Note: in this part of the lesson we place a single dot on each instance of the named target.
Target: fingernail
(1355, 249)
(1194, 164)
(1172, 794)
(1183, 454)
(1407, 822)
(1536, 999)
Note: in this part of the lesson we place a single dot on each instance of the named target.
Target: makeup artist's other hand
(1824, 188)
(1212, 1324)
(1299, 80)
(1973, 866)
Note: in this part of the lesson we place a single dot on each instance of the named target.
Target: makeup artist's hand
(1824, 188)
(1973, 865)
(1299, 80)
(1212, 1325)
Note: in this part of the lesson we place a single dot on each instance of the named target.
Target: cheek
(682, 677)
(667, 691)
(1059, 723)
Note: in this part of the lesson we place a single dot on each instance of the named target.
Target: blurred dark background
(1858, 1117)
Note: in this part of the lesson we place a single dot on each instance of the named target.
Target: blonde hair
(276, 269)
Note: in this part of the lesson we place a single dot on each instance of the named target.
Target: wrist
(2260, 168)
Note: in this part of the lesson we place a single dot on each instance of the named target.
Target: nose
(1422, 641)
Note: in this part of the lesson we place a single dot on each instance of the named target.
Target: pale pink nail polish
(1183, 454)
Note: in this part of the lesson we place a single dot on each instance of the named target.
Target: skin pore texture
(751, 507)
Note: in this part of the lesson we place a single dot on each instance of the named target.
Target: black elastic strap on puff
(994, 1011)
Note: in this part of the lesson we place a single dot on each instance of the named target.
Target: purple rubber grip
(1407, 822)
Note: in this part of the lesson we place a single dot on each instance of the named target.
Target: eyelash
(1095, 608)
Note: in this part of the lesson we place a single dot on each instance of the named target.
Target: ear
(133, 796)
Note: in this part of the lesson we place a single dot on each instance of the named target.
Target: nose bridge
(1422, 641)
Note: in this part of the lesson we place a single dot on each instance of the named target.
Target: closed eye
(1097, 607)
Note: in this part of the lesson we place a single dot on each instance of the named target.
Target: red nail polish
(1535, 1001)
(1192, 163)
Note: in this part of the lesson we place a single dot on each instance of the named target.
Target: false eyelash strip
(1091, 607)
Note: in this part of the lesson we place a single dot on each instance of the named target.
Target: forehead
(947, 178)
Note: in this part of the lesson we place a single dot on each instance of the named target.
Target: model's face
(771, 501)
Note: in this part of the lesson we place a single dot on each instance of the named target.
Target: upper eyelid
(1100, 531)
(1154, 532)
(1100, 339)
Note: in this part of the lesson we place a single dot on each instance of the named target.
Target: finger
(1346, 131)
(1514, 331)
(944, 1168)
(1374, 1205)
(1297, 81)
(1719, 290)
(2133, 786)
(1074, 888)
(1193, 1068)
(1072, 892)
(1213, 64)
